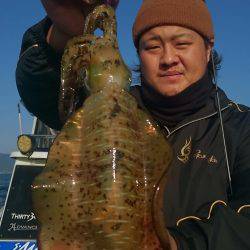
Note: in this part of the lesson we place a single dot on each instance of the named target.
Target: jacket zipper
(29, 48)
(196, 120)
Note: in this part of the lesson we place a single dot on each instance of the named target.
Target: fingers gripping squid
(102, 184)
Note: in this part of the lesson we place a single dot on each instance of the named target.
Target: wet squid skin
(105, 168)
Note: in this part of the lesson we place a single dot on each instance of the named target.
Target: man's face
(172, 58)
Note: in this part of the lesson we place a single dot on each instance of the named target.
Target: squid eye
(83, 78)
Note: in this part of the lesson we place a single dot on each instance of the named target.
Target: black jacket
(201, 212)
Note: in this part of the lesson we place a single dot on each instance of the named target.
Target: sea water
(4, 184)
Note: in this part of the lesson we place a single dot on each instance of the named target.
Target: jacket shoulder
(239, 110)
(239, 107)
(240, 118)
(35, 34)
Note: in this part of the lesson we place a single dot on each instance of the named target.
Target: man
(207, 198)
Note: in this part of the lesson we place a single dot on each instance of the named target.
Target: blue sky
(232, 27)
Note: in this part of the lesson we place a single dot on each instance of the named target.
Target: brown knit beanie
(192, 14)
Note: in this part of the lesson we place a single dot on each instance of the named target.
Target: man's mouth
(171, 75)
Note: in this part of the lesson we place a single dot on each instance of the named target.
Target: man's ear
(210, 47)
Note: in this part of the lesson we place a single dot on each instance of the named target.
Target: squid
(103, 183)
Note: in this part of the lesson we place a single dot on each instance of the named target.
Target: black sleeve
(38, 75)
(227, 225)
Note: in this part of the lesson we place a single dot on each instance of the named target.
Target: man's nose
(169, 56)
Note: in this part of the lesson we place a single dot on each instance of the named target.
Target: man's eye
(153, 47)
(182, 44)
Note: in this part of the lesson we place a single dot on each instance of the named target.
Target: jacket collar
(209, 110)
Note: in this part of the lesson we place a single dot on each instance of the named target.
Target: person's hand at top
(68, 18)
(113, 3)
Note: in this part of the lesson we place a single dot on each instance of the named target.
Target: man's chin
(169, 91)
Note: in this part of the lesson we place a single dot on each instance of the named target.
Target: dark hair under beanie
(192, 14)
